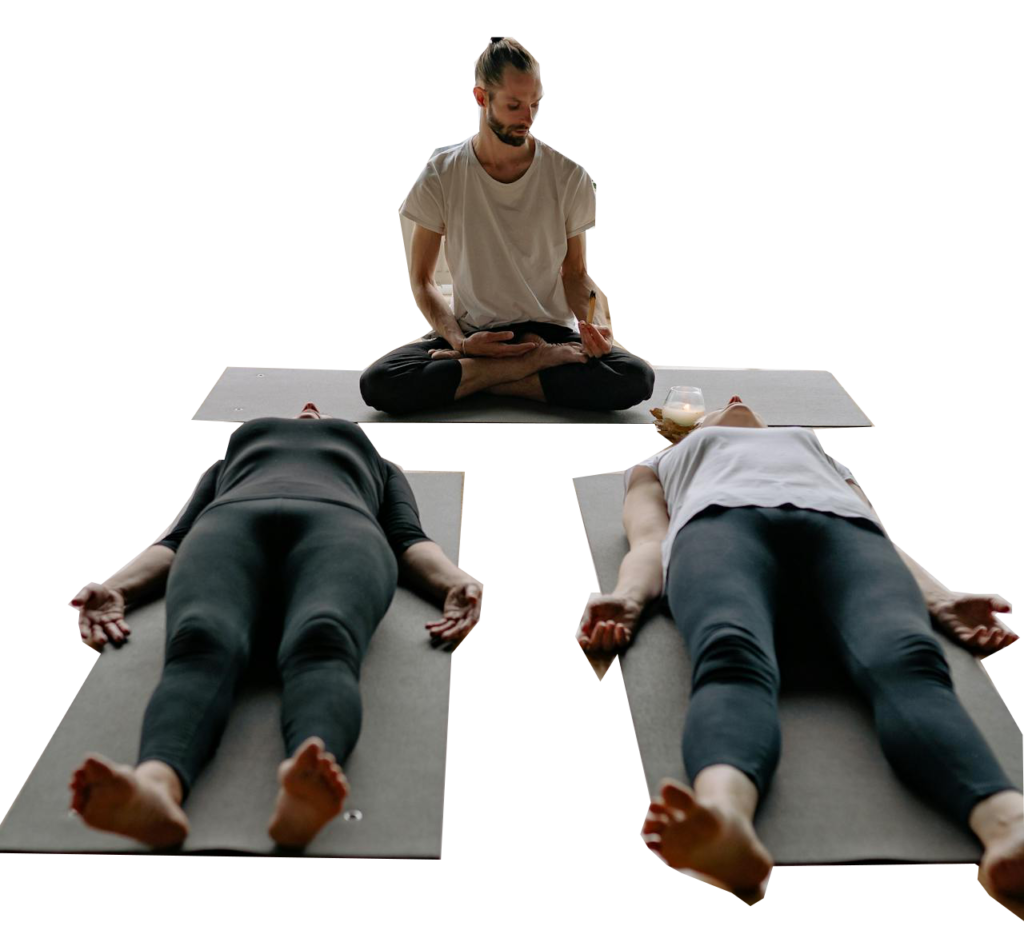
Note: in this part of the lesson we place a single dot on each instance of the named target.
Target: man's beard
(504, 132)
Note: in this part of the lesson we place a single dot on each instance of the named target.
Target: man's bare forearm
(577, 293)
(439, 315)
(640, 573)
(143, 576)
(425, 568)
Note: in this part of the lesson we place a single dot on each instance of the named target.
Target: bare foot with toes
(313, 790)
(715, 842)
(1001, 871)
(547, 355)
(127, 801)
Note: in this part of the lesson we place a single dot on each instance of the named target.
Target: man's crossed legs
(430, 374)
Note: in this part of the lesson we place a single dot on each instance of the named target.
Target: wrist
(120, 590)
(934, 599)
(460, 581)
(631, 597)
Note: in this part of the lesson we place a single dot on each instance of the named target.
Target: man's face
(512, 107)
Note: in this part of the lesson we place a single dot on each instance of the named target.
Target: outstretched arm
(144, 576)
(645, 518)
(933, 589)
(101, 607)
(967, 619)
(426, 569)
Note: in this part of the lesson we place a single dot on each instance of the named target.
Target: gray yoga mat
(834, 799)
(784, 397)
(396, 771)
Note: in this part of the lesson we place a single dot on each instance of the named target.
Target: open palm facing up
(970, 620)
(100, 615)
(461, 613)
(608, 623)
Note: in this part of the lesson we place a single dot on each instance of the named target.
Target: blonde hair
(501, 52)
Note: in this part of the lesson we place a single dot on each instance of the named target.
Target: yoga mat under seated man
(806, 569)
(783, 397)
(298, 531)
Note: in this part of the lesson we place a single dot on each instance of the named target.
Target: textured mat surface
(834, 798)
(396, 771)
(784, 397)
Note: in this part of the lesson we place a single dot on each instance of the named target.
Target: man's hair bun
(501, 52)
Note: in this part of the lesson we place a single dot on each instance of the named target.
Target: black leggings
(726, 569)
(407, 379)
(319, 575)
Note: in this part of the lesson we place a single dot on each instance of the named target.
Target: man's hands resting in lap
(594, 341)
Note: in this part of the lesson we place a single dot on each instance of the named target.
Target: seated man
(537, 360)
(513, 212)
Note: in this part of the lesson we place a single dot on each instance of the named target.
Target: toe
(310, 748)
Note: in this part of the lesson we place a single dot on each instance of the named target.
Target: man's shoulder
(559, 160)
(442, 156)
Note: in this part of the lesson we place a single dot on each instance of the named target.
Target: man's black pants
(407, 379)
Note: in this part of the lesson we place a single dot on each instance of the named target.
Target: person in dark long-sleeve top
(303, 519)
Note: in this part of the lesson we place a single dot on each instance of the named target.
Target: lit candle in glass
(684, 405)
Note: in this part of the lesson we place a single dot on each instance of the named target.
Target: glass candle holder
(684, 405)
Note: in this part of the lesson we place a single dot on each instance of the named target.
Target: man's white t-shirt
(734, 466)
(505, 243)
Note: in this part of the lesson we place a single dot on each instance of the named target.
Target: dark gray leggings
(407, 379)
(316, 575)
(726, 570)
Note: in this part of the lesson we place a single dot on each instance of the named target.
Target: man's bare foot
(313, 789)
(1001, 871)
(552, 354)
(127, 801)
(546, 354)
(716, 842)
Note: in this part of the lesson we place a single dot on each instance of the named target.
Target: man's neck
(518, 157)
